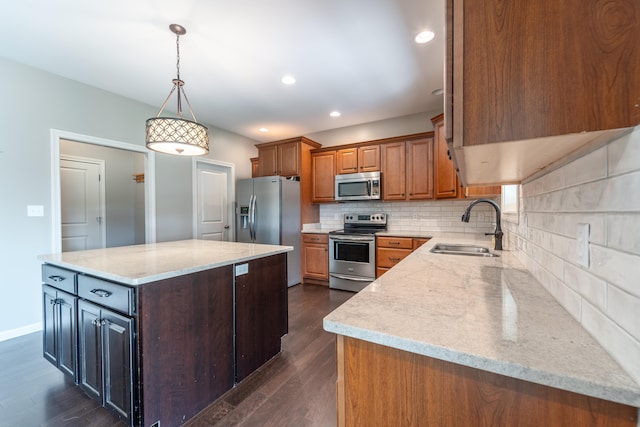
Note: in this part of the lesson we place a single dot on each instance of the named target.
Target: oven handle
(353, 238)
(352, 278)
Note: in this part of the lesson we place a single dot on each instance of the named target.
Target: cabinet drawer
(395, 242)
(315, 238)
(108, 294)
(387, 257)
(59, 278)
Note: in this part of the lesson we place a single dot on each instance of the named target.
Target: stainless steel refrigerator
(268, 211)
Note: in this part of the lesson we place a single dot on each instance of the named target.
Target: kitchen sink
(469, 250)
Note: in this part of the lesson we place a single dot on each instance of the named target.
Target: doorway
(148, 204)
(214, 200)
(82, 203)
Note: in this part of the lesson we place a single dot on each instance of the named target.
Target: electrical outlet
(242, 269)
(415, 216)
(582, 244)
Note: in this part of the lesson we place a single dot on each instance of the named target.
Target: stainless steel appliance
(268, 211)
(358, 186)
(352, 251)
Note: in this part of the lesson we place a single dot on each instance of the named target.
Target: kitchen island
(454, 340)
(157, 332)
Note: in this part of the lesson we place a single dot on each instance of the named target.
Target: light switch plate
(242, 269)
(35, 210)
(582, 244)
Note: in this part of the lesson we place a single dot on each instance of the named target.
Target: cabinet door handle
(98, 322)
(101, 293)
(56, 301)
(56, 278)
(394, 259)
(394, 243)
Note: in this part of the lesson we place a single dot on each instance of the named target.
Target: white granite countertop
(138, 264)
(485, 313)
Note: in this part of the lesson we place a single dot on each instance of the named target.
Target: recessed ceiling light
(335, 114)
(263, 130)
(437, 92)
(288, 80)
(424, 37)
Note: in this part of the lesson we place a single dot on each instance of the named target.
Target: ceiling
(354, 56)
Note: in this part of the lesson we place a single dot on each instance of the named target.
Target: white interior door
(82, 204)
(214, 201)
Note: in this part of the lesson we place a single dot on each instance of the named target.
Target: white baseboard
(24, 330)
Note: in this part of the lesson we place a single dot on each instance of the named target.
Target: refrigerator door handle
(252, 217)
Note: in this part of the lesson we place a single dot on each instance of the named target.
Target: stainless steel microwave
(358, 186)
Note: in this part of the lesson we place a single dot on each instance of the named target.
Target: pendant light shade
(176, 135)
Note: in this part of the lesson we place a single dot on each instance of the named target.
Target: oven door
(352, 255)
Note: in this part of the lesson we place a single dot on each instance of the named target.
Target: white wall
(405, 125)
(601, 189)
(36, 102)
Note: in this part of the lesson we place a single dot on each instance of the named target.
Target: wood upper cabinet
(279, 159)
(393, 171)
(358, 159)
(534, 72)
(407, 169)
(446, 180)
(419, 173)
(255, 165)
(521, 76)
(323, 166)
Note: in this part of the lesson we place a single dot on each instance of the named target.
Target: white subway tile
(624, 309)
(618, 268)
(587, 285)
(621, 345)
(624, 154)
(623, 232)
(591, 167)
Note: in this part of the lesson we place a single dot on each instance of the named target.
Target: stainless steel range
(352, 251)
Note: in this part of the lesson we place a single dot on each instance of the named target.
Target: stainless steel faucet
(498, 233)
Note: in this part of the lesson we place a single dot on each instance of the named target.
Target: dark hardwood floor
(296, 388)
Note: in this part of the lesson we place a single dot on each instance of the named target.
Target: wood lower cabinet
(379, 385)
(323, 168)
(161, 352)
(315, 258)
(59, 329)
(391, 250)
(260, 315)
(105, 346)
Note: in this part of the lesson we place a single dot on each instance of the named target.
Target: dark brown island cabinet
(159, 352)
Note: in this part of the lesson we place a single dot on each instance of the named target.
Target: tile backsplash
(601, 189)
(421, 217)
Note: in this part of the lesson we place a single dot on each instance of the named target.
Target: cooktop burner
(363, 223)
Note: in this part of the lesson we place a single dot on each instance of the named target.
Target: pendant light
(176, 135)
